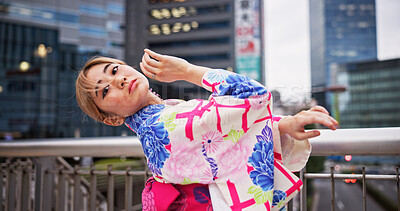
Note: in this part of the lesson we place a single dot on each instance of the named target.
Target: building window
(92, 9)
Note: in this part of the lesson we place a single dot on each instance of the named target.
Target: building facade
(43, 44)
(94, 26)
(214, 33)
(373, 94)
(341, 31)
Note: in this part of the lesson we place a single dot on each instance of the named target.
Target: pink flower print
(207, 177)
(233, 162)
(212, 141)
(259, 101)
(185, 162)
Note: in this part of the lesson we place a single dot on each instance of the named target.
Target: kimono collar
(136, 120)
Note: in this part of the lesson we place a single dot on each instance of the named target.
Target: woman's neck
(154, 99)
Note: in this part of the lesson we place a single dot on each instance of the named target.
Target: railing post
(364, 187)
(62, 189)
(93, 189)
(110, 191)
(398, 188)
(303, 191)
(26, 189)
(146, 169)
(289, 205)
(77, 189)
(11, 189)
(18, 185)
(48, 163)
(333, 190)
(1, 187)
(38, 183)
(128, 191)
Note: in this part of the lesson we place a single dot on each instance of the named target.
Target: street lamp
(42, 51)
(24, 66)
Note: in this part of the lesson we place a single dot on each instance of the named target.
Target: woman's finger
(153, 54)
(320, 109)
(146, 58)
(306, 135)
(319, 118)
(150, 68)
(147, 70)
(312, 134)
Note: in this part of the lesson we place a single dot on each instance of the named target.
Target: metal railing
(29, 181)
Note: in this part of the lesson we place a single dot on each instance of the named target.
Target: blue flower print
(279, 198)
(152, 135)
(216, 75)
(241, 87)
(262, 159)
(266, 134)
(137, 119)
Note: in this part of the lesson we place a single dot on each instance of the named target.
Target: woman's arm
(166, 68)
(169, 68)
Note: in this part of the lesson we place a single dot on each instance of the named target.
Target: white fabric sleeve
(295, 153)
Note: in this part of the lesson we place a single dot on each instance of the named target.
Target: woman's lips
(131, 86)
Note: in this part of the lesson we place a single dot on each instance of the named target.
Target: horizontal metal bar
(114, 146)
(360, 141)
(97, 172)
(365, 141)
(349, 176)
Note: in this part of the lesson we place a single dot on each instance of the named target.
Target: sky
(287, 43)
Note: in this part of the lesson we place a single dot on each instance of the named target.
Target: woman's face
(126, 92)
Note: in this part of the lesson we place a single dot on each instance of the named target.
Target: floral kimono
(230, 142)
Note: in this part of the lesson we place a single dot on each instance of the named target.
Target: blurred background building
(214, 33)
(373, 94)
(43, 43)
(340, 31)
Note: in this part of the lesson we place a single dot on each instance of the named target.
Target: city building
(340, 31)
(373, 94)
(43, 43)
(214, 33)
(94, 26)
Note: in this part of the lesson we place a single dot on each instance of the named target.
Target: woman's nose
(121, 81)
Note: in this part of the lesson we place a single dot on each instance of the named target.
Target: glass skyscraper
(341, 31)
(43, 43)
(373, 94)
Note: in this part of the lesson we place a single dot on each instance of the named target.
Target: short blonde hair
(84, 87)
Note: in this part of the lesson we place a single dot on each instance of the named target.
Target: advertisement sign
(248, 38)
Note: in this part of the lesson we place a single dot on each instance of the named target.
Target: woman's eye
(105, 91)
(114, 70)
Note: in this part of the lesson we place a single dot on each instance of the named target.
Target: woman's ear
(114, 121)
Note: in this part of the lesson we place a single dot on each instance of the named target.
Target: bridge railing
(34, 175)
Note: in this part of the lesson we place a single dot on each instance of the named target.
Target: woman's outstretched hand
(294, 125)
(166, 68)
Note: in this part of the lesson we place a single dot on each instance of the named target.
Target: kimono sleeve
(294, 153)
(222, 82)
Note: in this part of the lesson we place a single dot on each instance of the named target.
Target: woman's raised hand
(166, 68)
(163, 68)
(294, 125)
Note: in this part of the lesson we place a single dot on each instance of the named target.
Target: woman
(229, 148)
